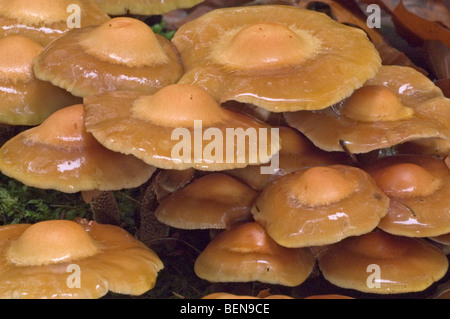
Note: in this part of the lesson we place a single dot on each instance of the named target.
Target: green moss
(23, 204)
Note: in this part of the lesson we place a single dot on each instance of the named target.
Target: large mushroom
(25, 100)
(120, 54)
(245, 253)
(144, 7)
(180, 126)
(276, 57)
(63, 259)
(381, 263)
(319, 206)
(419, 190)
(397, 105)
(60, 155)
(46, 20)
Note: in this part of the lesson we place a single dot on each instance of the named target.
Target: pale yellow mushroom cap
(51, 242)
(125, 41)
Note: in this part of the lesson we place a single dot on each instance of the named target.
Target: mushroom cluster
(274, 128)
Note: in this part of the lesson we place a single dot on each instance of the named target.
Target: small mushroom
(319, 206)
(46, 20)
(213, 201)
(419, 190)
(120, 54)
(25, 100)
(144, 7)
(398, 105)
(60, 155)
(64, 259)
(280, 58)
(381, 263)
(245, 253)
(297, 152)
(179, 127)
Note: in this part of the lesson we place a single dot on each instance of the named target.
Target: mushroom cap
(213, 201)
(25, 100)
(59, 154)
(246, 253)
(321, 205)
(398, 105)
(297, 152)
(144, 7)
(419, 190)
(263, 54)
(36, 259)
(161, 129)
(405, 264)
(45, 20)
(120, 54)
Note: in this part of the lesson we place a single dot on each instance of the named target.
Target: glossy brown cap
(120, 54)
(213, 201)
(144, 7)
(169, 129)
(25, 100)
(419, 190)
(280, 58)
(381, 263)
(320, 205)
(59, 154)
(246, 253)
(397, 105)
(46, 20)
(39, 258)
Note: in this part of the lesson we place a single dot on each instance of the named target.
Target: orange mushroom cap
(280, 58)
(213, 201)
(120, 54)
(246, 253)
(381, 263)
(320, 205)
(46, 20)
(419, 190)
(297, 152)
(37, 261)
(144, 7)
(161, 129)
(59, 154)
(25, 100)
(397, 105)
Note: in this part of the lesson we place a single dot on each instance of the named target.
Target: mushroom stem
(150, 227)
(104, 206)
(352, 156)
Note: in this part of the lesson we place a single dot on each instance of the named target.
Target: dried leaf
(356, 17)
(437, 55)
(415, 29)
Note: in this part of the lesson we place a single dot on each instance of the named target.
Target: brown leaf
(437, 55)
(415, 29)
(353, 16)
